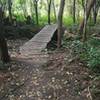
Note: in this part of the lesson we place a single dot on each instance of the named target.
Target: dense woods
(74, 41)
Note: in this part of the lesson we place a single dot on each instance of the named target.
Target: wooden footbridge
(38, 43)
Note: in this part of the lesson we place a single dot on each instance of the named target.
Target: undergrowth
(88, 52)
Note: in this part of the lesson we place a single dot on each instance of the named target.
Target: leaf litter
(54, 80)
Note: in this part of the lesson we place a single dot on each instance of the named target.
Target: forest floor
(61, 78)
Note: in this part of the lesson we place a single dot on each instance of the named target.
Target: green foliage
(93, 53)
(94, 58)
(43, 20)
(68, 20)
(20, 17)
(89, 52)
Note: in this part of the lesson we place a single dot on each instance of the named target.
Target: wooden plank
(39, 41)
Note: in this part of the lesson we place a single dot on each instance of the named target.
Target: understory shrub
(88, 52)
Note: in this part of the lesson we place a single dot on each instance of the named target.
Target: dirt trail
(55, 80)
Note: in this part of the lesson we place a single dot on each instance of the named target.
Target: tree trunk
(54, 11)
(9, 9)
(85, 22)
(3, 44)
(36, 11)
(4, 50)
(74, 11)
(49, 11)
(95, 13)
(60, 16)
(89, 7)
(83, 5)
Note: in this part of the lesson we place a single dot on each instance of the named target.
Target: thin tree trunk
(49, 11)
(60, 16)
(83, 5)
(85, 22)
(95, 13)
(9, 9)
(36, 11)
(54, 10)
(90, 5)
(74, 11)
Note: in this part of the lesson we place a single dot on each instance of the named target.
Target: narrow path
(54, 80)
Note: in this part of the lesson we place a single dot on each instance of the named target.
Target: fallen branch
(89, 95)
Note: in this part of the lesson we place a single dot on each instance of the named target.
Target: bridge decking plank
(39, 41)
